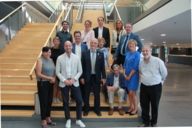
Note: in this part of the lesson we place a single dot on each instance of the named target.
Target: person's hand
(52, 80)
(67, 82)
(127, 77)
(82, 81)
(103, 81)
(72, 81)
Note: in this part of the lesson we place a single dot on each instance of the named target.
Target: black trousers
(120, 60)
(94, 85)
(75, 91)
(45, 92)
(150, 97)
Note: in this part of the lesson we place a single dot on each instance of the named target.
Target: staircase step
(16, 80)
(16, 95)
(11, 87)
(18, 60)
(16, 66)
(60, 114)
(13, 72)
(17, 113)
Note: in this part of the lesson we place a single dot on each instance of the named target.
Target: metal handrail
(55, 10)
(118, 15)
(47, 41)
(14, 11)
(105, 13)
(80, 12)
(7, 16)
(70, 7)
(37, 11)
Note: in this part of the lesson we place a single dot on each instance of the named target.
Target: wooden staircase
(16, 61)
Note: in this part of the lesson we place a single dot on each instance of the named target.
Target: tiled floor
(175, 106)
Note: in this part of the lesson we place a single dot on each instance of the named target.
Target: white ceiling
(177, 30)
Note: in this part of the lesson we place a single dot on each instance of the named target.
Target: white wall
(171, 9)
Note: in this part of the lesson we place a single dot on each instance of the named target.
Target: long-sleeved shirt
(153, 72)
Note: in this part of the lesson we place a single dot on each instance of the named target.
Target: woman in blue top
(131, 67)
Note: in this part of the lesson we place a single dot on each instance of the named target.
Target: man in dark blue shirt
(64, 35)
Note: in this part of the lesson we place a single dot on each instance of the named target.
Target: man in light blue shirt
(152, 74)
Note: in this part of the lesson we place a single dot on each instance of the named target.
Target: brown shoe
(110, 112)
(121, 111)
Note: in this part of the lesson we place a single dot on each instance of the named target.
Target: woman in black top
(55, 52)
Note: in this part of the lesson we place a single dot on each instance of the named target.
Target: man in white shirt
(152, 74)
(68, 70)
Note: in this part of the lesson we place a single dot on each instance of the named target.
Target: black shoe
(85, 113)
(154, 125)
(98, 113)
(51, 123)
(144, 125)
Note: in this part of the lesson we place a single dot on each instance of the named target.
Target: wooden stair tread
(60, 114)
(27, 92)
(18, 113)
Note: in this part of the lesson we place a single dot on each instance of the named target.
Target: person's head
(100, 21)
(128, 28)
(146, 51)
(101, 42)
(119, 25)
(93, 44)
(116, 69)
(46, 52)
(56, 41)
(68, 47)
(132, 45)
(77, 37)
(65, 25)
(87, 24)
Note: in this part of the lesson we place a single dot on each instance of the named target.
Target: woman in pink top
(87, 34)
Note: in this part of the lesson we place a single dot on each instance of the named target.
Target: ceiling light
(163, 35)
(142, 39)
(164, 42)
(177, 43)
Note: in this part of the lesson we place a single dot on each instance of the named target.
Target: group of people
(78, 67)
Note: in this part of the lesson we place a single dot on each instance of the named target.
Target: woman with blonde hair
(131, 67)
(116, 34)
(87, 34)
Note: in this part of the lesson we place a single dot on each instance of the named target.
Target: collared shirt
(78, 50)
(124, 46)
(100, 32)
(153, 72)
(69, 67)
(93, 61)
(116, 81)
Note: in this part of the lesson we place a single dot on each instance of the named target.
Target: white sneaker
(80, 123)
(68, 124)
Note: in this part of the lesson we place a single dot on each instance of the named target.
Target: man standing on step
(102, 31)
(122, 48)
(93, 74)
(64, 35)
(68, 70)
